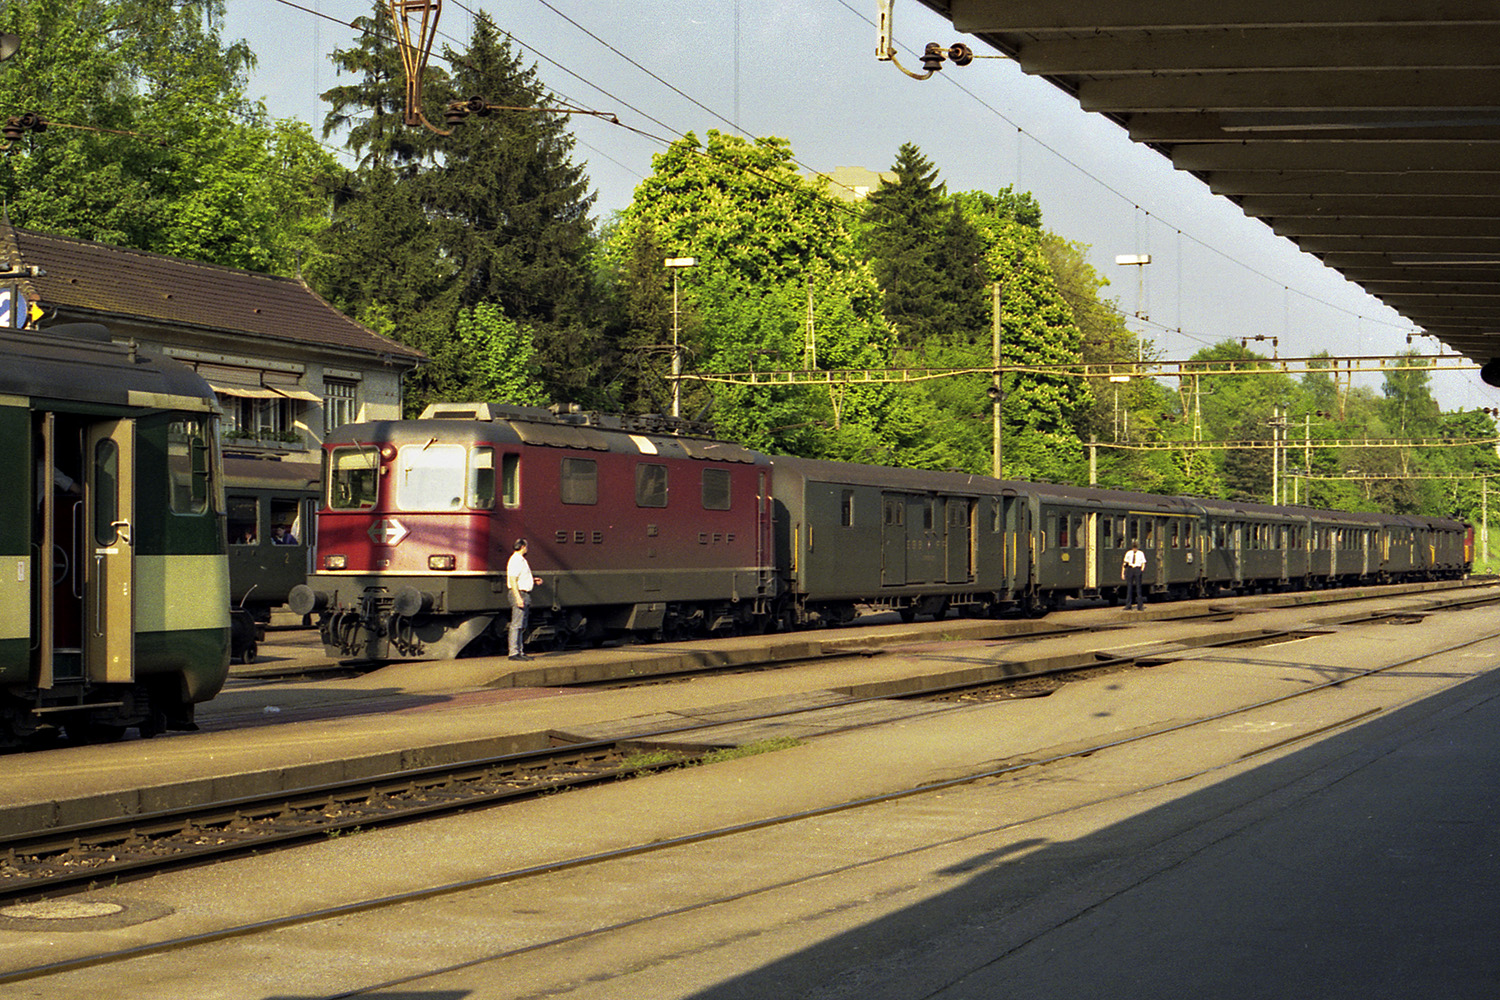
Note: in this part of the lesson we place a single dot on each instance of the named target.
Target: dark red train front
(634, 527)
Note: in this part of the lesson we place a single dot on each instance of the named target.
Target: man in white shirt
(520, 582)
(1133, 572)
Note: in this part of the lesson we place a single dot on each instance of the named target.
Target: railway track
(1005, 769)
(61, 860)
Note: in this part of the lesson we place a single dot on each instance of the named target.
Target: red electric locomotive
(635, 525)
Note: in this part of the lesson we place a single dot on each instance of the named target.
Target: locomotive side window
(650, 485)
(580, 481)
(430, 476)
(716, 489)
(482, 478)
(187, 464)
(510, 472)
(352, 474)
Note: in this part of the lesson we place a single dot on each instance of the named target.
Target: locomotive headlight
(335, 562)
(446, 561)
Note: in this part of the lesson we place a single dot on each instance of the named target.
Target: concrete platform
(1341, 845)
(411, 714)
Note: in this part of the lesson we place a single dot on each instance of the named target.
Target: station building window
(340, 403)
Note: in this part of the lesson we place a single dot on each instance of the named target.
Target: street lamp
(676, 264)
(1139, 261)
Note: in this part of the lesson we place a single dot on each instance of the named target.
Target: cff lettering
(716, 538)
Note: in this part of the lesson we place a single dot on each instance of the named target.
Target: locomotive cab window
(430, 476)
(580, 481)
(650, 485)
(716, 489)
(352, 474)
(482, 478)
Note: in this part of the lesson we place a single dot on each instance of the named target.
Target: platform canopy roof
(1365, 131)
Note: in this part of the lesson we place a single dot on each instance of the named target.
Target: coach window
(928, 520)
(106, 492)
(286, 512)
(1149, 542)
(580, 481)
(650, 485)
(244, 518)
(1063, 538)
(846, 508)
(716, 490)
(431, 476)
(1106, 527)
(352, 474)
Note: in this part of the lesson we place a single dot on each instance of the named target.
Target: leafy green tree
(152, 143)
(768, 244)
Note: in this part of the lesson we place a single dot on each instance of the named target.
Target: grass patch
(656, 760)
(751, 749)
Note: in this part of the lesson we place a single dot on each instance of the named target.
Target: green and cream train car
(114, 581)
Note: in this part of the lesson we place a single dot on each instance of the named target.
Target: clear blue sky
(806, 71)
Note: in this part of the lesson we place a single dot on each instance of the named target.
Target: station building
(285, 364)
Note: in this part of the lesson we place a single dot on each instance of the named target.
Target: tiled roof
(115, 281)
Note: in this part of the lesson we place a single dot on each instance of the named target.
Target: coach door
(1091, 551)
(893, 539)
(108, 552)
(960, 541)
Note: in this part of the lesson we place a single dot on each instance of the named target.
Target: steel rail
(717, 833)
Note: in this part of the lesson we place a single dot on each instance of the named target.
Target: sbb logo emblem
(388, 531)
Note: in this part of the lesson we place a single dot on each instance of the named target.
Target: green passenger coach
(114, 581)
